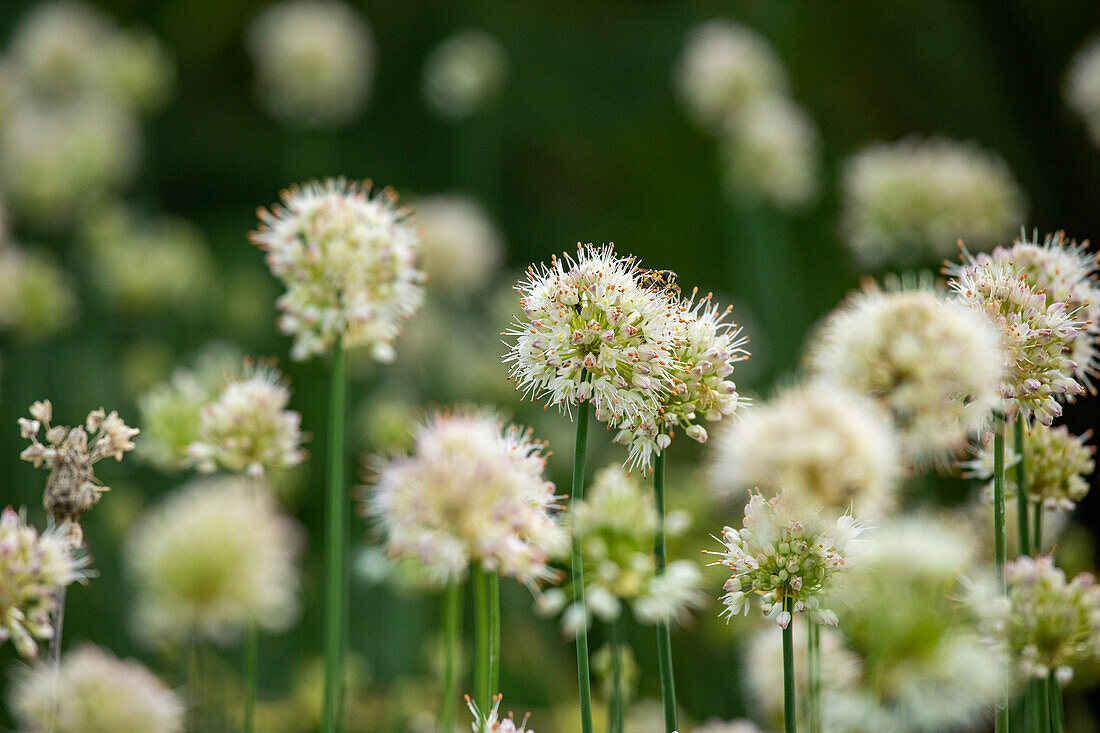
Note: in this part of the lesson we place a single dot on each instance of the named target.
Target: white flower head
(469, 492)
(464, 72)
(314, 61)
(348, 260)
(461, 247)
(57, 47)
(492, 722)
(1083, 87)
(37, 297)
(934, 364)
(216, 555)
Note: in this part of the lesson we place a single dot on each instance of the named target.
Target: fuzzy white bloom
(58, 45)
(464, 73)
(70, 455)
(724, 69)
(460, 246)
(34, 569)
(1083, 87)
(493, 722)
(37, 298)
(591, 331)
(772, 154)
(139, 70)
(94, 691)
(248, 427)
(314, 61)
(785, 550)
(912, 200)
(469, 492)
(1037, 335)
(934, 364)
(732, 726)
(348, 260)
(215, 555)
(824, 445)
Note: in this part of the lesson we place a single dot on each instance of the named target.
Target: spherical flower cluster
(912, 200)
(614, 525)
(1036, 335)
(248, 426)
(314, 61)
(34, 569)
(460, 246)
(1083, 87)
(37, 298)
(785, 550)
(216, 555)
(934, 364)
(463, 73)
(70, 454)
(94, 691)
(469, 492)
(1049, 624)
(348, 260)
(493, 722)
(823, 445)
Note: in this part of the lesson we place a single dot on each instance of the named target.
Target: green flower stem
(335, 546)
(788, 669)
(1037, 528)
(58, 628)
(494, 633)
(616, 705)
(813, 676)
(1042, 703)
(1021, 487)
(1001, 721)
(482, 639)
(452, 636)
(1054, 690)
(251, 675)
(578, 573)
(664, 634)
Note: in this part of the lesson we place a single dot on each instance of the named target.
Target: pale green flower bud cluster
(933, 363)
(1083, 87)
(314, 61)
(34, 569)
(460, 246)
(912, 200)
(37, 298)
(464, 73)
(349, 263)
(93, 690)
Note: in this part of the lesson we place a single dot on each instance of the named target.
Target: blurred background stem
(452, 647)
(336, 542)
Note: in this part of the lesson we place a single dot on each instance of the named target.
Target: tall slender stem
(1021, 486)
(664, 635)
(583, 680)
(1001, 720)
(617, 704)
(251, 675)
(1054, 690)
(494, 633)
(1037, 528)
(58, 629)
(335, 545)
(452, 642)
(483, 641)
(813, 675)
(1042, 702)
(788, 669)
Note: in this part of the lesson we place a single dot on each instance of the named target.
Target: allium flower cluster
(93, 691)
(348, 260)
(37, 298)
(933, 363)
(1037, 335)
(1083, 87)
(248, 426)
(70, 454)
(214, 556)
(469, 492)
(463, 73)
(314, 61)
(614, 525)
(1050, 624)
(493, 722)
(785, 550)
(823, 445)
(460, 246)
(34, 568)
(912, 200)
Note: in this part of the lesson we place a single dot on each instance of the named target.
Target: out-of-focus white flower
(93, 691)
(314, 61)
(771, 154)
(348, 260)
(733, 726)
(912, 200)
(933, 363)
(468, 493)
(34, 569)
(138, 68)
(785, 550)
(724, 69)
(1037, 335)
(460, 246)
(464, 72)
(70, 454)
(37, 298)
(1083, 87)
(216, 555)
(493, 722)
(248, 427)
(57, 46)
(825, 446)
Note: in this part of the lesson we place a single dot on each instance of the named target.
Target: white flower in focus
(34, 569)
(460, 246)
(823, 445)
(1083, 87)
(314, 61)
(94, 691)
(348, 260)
(464, 72)
(724, 69)
(468, 492)
(37, 298)
(934, 364)
(912, 200)
(493, 722)
(214, 556)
